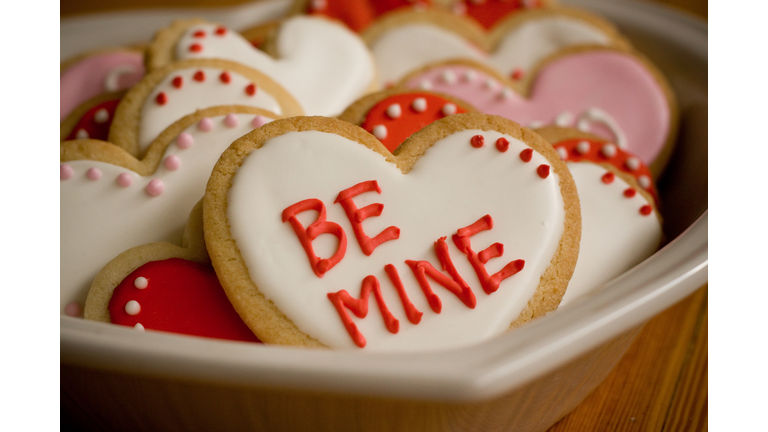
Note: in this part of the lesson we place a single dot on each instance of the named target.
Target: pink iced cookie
(609, 93)
(93, 75)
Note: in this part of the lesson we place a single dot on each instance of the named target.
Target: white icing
(112, 80)
(100, 219)
(323, 65)
(194, 95)
(132, 307)
(450, 187)
(614, 235)
(412, 46)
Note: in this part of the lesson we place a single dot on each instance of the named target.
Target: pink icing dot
(66, 171)
(185, 140)
(172, 162)
(124, 180)
(231, 121)
(73, 309)
(93, 174)
(205, 125)
(155, 187)
(259, 121)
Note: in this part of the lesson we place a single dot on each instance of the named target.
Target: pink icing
(66, 172)
(230, 121)
(612, 82)
(155, 187)
(185, 140)
(95, 75)
(93, 174)
(124, 180)
(73, 309)
(205, 125)
(258, 121)
(172, 162)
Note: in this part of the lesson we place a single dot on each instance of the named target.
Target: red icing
(359, 307)
(543, 171)
(502, 144)
(489, 12)
(608, 178)
(199, 76)
(250, 89)
(89, 124)
(161, 98)
(454, 284)
(646, 210)
(477, 141)
(221, 31)
(177, 82)
(357, 14)
(517, 74)
(199, 34)
(225, 77)
(618, 160)
(410, 121)
(413, 314)
(195, 47)
(357, 216)
(526, 155)
(629, 193)
(182, 297)
(490, 283)
(319, 226)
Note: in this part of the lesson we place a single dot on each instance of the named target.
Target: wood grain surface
(661, 382)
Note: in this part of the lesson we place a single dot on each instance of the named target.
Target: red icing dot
(177, 82)
(250, 89)
(221, 31)
(409, 121)
(199, 76)
(646, 210)
(195, 48)
(526, 155)
(161, 98)
(182, 297)
(502, 144)
(90, 123)
(199, 34)
(543, 171)
(225, 77)
(630, 192)
(608, 178)
(517, 74)
(477, 141)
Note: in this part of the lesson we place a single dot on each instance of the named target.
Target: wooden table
(661, 382)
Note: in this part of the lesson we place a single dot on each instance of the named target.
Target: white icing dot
(564, 119)
(608, 150)
(101, 116)
(380, 132)
(319, 5)
(394, 111)
(490, 83)
(139, 327)
(448, 77)
(141, 282)
(469, 75)
(563, 153)
(425, 84)
(81, 134)
(132, 307)
(419, 104)
(535, 124)
(632, 163)
(645, 181)
(583, 125)
(583, 147)
(449, 109)
(505, 94)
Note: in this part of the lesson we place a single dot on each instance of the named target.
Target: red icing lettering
(359, 307)
(308, 235)
(413, 314)
(526, 155)
(490, 283)
(357, 216)
(181, 297)
(454, 283)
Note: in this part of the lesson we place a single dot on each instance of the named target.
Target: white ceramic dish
(525, 380)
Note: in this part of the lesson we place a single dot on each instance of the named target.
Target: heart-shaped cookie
(395, 114)
(402, 42)
(471, 227)
(321, 63)
(111, 201)
(161, 286)
(620, 223)
(611, 93)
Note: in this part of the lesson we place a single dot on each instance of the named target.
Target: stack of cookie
(471, 169)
